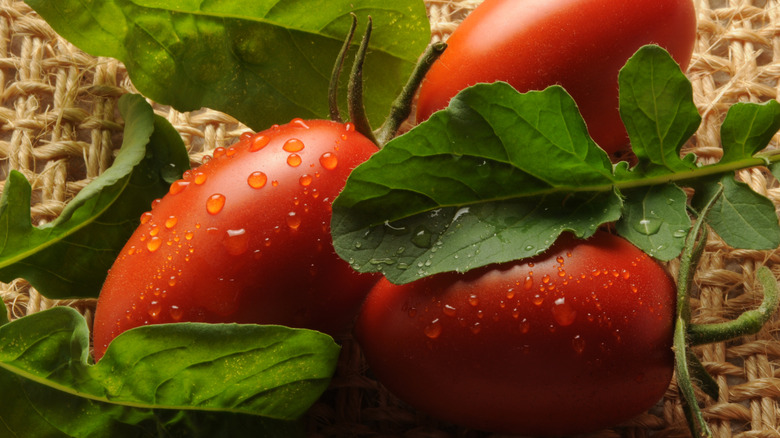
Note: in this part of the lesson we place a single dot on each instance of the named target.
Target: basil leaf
(70, 256)
(207, 370)
(263, 62)
(656, 106)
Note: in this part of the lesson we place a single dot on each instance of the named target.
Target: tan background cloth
(60, 127)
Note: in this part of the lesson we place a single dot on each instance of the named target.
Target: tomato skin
(579, 44)
(569, 342)
(244, 238)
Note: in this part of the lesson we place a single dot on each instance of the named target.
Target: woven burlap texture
(60, 128)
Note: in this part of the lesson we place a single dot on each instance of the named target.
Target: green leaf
(264, 62)
(657, 108)
(69, 257)
(4, 315)
(740, 216)
(655, 219)
(748, 128)
(467, 188)
(269, 371)
(459, 239)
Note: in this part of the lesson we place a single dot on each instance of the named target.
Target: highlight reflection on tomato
(571, 341)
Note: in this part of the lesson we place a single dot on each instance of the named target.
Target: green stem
(333, 88)
(357, 111)
(694, 247)
(402, 106)
(748, 323)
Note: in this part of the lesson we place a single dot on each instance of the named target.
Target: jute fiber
(60, 127)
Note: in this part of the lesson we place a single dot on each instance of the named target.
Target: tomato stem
(748, 323)
(402, 106)
(357, 111)
(333, 87)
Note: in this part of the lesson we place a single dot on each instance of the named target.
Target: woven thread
(61, 128)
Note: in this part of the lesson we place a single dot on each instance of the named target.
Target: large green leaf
(498, 175)
(264, 61)
(69, 257)
(222, 371)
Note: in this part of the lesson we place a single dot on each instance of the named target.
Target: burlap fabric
(60, 127)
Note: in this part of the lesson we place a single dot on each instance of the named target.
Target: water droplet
(176, 313)
(171, 222)
(476, 327)
(648, 226)
(154, 309)
(349, 126)
(422, 237)
(299, 123)
(236, 241)
(679, 233)
(305, 180)
(257, 180)
(153, 244)
(172, 281)
(578, 344)
(563, 313)
(146, 217)
(215, 203)
(329, 161)
(449, 310)
(525, 326)
(189, 235)
(528, 283)
(258, 143)
(231, 151)
(178, 187)
(473, 300)
(294, 160)
(433, 330)
(199, 178)
(293, 220)
(218, 152)
(537, 300)
(245, 136)
(293, 145)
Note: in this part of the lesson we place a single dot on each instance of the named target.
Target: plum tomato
(578, 44)
(244, 238)
(571, 341)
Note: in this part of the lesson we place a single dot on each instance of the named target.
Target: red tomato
(579, 44)
(568, 342)
(244, 238)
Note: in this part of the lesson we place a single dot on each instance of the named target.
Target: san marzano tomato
(568, 342)
(244, 238)
(579, 44)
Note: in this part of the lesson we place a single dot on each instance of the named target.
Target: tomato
(579, 44)
(244, 238)
(568, 342)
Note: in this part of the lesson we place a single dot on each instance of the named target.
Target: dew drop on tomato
(578, 344)
(218, 152)
(215, 203)
(176, 313)
(154, 309)
(257, 179)
(245, 136)
(146, 217)
(349, 126)
(528, 283)
(178, 187)
(449, 310)
(473, 300)
(538, 300)
(294, 160)
(299, 123)
(231, 151)
(293, 220)
(153, 244)
(563, 312)
(305, 180)
(171, 222)
(199, 178)
(329, 161)
(293, 145)
(236, 241)
(433, 330)
(258, 143)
